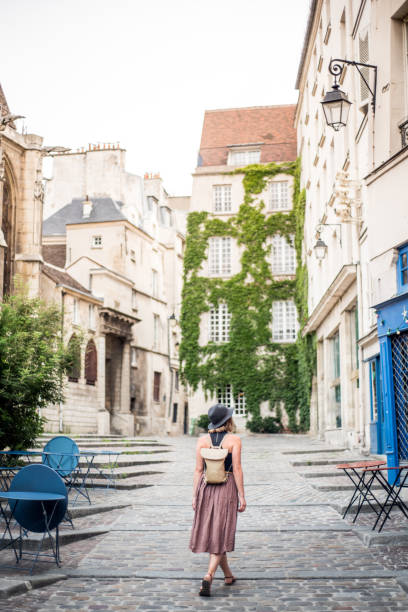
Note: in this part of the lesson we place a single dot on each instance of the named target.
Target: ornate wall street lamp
(320, 248)
(336, 105)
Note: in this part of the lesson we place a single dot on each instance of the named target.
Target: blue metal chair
(62, 455)
(38, 501)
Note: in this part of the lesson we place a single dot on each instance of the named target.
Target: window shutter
(91, 363)
(74, 372)
(363, 49)
(156, 387)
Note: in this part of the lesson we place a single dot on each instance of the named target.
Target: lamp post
(336, 105)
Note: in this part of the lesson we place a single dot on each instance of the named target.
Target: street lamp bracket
(336, 68)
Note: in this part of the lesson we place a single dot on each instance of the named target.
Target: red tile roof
(270, 125)
(54, 254)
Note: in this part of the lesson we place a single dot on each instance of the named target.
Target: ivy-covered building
(239, 317)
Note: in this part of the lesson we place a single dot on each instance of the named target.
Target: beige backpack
(214, 458)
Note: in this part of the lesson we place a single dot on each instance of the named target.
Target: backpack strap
(219, 437)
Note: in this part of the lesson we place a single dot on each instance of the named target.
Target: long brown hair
(229, 426)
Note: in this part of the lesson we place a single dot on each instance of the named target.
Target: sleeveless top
(216, 439)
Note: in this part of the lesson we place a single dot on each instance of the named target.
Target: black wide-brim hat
(218, 415)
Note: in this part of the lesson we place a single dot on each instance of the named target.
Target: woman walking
(216, 505)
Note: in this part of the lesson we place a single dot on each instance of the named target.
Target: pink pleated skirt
(215, 519)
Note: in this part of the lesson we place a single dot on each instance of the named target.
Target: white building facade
(128, 254)
(356, 205)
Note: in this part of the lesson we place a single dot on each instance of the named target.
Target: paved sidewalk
(293, 550)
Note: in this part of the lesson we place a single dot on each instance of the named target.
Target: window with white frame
(222, 198)
(155, 283)
(220, 320)
(96, 242)
(75, 311)
(243, 158)
(156, 331)
(279, 195)
(220, 256)
(91, 316)
(225, 397)
(283, 256)
(284, 321)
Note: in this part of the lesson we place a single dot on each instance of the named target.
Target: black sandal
(205, 590)
(233, 579)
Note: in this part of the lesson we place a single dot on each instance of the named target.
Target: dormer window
(96, 242)
(244, 157)
(86, 208)
(165, 216)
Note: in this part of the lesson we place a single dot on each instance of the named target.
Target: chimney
(86, 208)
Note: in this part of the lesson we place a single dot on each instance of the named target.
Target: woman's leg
(213, 563)
(226, 568)
(212, 568)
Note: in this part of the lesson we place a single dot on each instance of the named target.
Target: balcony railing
(403, 127)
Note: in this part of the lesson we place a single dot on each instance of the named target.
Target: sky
(142, 72)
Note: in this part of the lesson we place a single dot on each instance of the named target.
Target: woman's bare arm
(238, 474)
(199, 468)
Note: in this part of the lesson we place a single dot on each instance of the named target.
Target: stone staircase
(318, 467)
(137, 459)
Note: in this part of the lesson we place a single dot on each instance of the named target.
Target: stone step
(338, 460)
(120, 465)
(314, 451)
(89, 510)
(120, 474)
(122, 484)
(337, 486)
(65, 537)
(47, 436)
(112, 445)
(328, 474)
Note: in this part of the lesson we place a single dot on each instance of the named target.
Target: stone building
(356, 209)
(128, 254)
(21, 197)
(233, 138)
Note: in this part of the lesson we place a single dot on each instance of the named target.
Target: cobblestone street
(293, 550)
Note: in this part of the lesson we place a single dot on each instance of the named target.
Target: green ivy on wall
(251, 362)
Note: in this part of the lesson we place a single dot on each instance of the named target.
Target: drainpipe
(60, 408)
(170, 368)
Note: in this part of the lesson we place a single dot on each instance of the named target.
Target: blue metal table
(49, 517)
(112, 465)
(75, 478)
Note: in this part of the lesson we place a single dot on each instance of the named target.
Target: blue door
(377, 426)
(399, 347)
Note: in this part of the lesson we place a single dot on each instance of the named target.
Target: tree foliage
(33, 360)
(251, 362)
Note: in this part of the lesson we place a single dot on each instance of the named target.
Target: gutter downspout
(60, 408)
(171, 372)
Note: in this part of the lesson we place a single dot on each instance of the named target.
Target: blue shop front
(389, 375)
